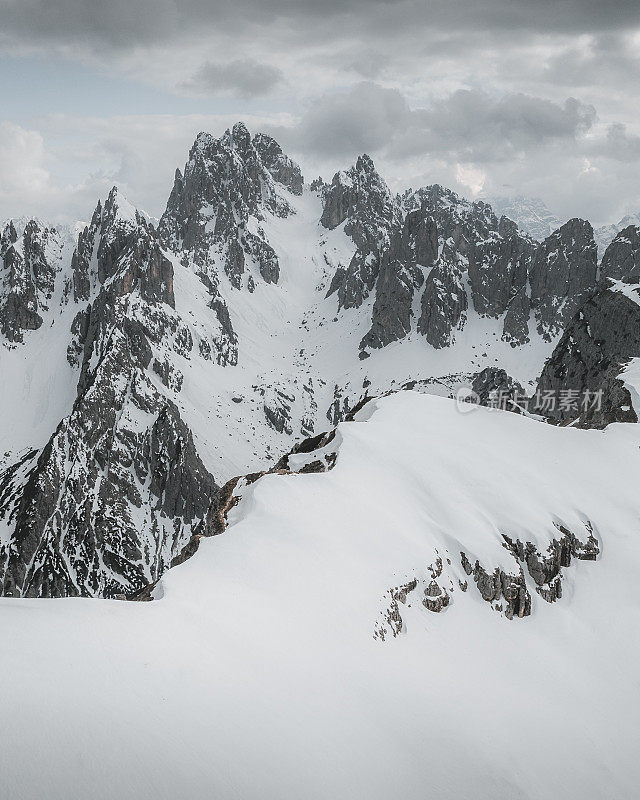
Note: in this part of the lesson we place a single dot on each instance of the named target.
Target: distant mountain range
(533, 217)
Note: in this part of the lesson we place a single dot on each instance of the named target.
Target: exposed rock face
(121, 248)
(546, 568)
(444, 302)
(515, 329)
(508, 592)
(599, 340)
(563, 273)
(360, 199)
(494, 386)
(478, 261)
(215, 212)
(29, 263)
(621, 260)
(498, 266)
(501, 588)
(412, 248)
(282, 168)
(490, 255)
(119, 490)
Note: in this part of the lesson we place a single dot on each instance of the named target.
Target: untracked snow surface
(255, 673)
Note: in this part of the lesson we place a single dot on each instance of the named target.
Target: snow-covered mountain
(147, 366)
(605, 234)
(255, 414)
(530, 214)
(348, 635)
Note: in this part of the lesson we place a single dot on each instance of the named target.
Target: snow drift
(256, 672)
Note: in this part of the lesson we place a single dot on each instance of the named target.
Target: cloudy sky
(489, 97)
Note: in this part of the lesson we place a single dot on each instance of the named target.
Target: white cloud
(471, 177)
(22, 155)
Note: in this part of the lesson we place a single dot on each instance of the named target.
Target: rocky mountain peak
(360, 198)
(30, 259)
(358, 190)
(282, 169)
(563, 273)
(621, 259)
(121, 248)
(239, 137)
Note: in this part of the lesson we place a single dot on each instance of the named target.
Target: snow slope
(291, 336)
(256, 673)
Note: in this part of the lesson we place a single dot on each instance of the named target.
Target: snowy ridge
(268, 632)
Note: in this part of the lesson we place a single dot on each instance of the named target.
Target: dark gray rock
(29, 263)
(589, 357)
(562, 275)
(498, 266)
(264, 255)
(413, 247)
(515, 329)
(444, 302)
(498, 586)
(282, 168)
(621, 259)
(119, 234)
(234, 263)
(493, 253)
(435, 598)
(494, 387)
(361, 200)
(277, 410)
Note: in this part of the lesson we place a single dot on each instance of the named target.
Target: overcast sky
(489, 97)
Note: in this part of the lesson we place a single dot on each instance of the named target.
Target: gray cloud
(345, 124)
(618, 144)
(244, 77)
(468, 125)
(476, 127)
(126, 23)
(463, 91)
(603, 59)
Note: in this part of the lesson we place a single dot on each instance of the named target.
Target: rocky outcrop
(494, 387)
(498, 267)
(621, 259)
(412, 249)
(585, 365)
(214, 215)
(562, 275)
(506, 591)
(29, 262)
(282, 168)
(120, 249)
(444, 301)
(488, 253)
(361, 200)
(515, 329)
